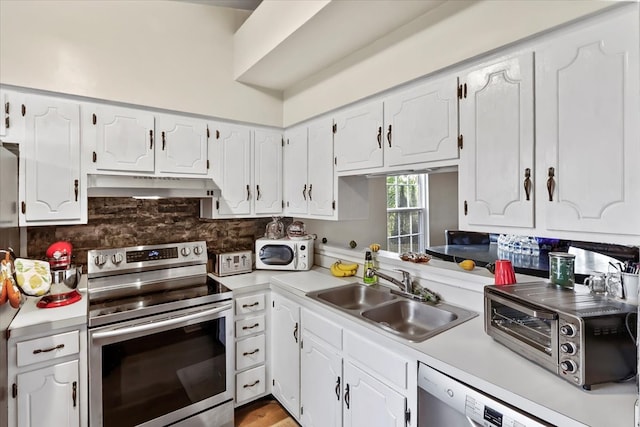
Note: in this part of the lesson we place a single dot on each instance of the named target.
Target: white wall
(448, 35)
(164, 54)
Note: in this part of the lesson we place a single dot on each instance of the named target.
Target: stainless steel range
(160, 338)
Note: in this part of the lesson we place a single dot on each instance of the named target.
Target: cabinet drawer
(47, 348)
(250, 304)
(377, 359)
(249, 326)
(250, 383)
(249, 352)
(322, 328)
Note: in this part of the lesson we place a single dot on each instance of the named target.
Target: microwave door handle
(521, 306)
(295, 256)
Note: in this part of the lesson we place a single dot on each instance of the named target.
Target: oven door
(527, 330)
(161, 369)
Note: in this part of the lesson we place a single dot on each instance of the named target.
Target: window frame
(421, 208)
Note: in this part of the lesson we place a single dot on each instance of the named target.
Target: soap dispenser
(368, 263)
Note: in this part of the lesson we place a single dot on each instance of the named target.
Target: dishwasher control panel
(458, 401)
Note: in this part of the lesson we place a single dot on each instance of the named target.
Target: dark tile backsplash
(120, 222)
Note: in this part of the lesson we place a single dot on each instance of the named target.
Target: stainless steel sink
(412, 320)
(354, 296)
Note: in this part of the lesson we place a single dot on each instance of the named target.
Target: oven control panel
(139, 258)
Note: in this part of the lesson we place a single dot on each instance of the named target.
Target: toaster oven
(585, 339)
(229, 263)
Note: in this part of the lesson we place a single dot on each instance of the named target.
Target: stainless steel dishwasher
(443, 401)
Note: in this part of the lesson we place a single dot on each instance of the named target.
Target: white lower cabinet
(251, 347)
(347, 380)
(47, 379)
(285, 352)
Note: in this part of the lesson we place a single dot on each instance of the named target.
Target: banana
(341, 273)
(346, 267)
(375, 247)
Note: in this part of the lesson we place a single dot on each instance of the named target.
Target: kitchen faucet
(405, 285)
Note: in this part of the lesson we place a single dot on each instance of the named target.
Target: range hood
(150, 187)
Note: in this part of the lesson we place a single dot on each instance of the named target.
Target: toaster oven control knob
(197, 250)
(568, 330)
(117, 258)
(568, 348)
(569, 366)
(100, 260)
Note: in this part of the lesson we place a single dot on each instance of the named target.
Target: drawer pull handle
(47, 350)
(250, 305)
(255, 325)
(256, 382)
(249, 353)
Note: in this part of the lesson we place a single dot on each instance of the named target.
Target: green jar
(562, 269)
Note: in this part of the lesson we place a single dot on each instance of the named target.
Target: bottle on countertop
(368, 263)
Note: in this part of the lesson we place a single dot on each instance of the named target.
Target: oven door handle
(526, 309)
(159, 324)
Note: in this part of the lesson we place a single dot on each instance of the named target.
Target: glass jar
(562, 269)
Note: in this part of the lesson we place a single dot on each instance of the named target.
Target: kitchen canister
(562, 269)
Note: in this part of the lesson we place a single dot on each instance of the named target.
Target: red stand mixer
(64, 277)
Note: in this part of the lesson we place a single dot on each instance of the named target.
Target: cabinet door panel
(285, 353)
(321, 181)
(587, 90)
(496, 121)
(295, 171)
(235, 164)
(124, 139)
(359, 137)
(320, 384)
(268, 172)
(48, 394)
(370, 402)
(182, 145)
(51, 159)
(424, 124)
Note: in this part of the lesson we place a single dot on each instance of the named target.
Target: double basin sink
(412, 320)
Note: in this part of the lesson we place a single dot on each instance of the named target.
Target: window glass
(406, 213)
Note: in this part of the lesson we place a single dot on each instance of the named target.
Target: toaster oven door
(527, 330)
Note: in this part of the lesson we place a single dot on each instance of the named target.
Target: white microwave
(284, 254)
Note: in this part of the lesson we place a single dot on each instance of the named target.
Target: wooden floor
(266, 412)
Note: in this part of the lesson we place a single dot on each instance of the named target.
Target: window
(406, 213)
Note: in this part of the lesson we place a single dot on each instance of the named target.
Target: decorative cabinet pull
(304, 192)
(527, 183)
(47, 350)
(338, 389)
(256, 382)
(249, 353)
(24, 207)
(150, 139)
(379, 136)
(6, 108)
(248, 192)
(346, 396)
(258, 192)
(95, 157)
(255, 325)
(75, 188)
(310, 188)
(6, 122)
(24, 110)
(295, 332)
(74, 393)
(253, 304)
(551, 183)
(94, 118)
(164, 141)
(389, 136)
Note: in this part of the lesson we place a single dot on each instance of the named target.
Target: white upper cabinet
(497, 156)
(247, 165)
(588, 128)
(182, 145)
(415, 126)
(11, 119)
(124, 139)
(52, 189)
(138, 141)
(421, 124)
(295, 171)
(267, 147)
